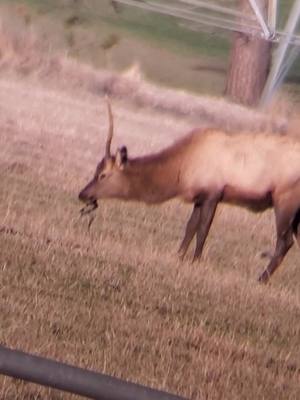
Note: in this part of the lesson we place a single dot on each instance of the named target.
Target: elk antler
(110, 129)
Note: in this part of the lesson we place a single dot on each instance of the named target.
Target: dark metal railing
(54, 374)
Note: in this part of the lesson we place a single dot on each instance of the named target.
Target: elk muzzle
(90, 204)
(86, 197)
(87, 194)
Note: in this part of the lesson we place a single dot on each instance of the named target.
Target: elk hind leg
(284, 228)
(296, 227)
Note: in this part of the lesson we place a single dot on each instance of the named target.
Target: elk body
(257, 171)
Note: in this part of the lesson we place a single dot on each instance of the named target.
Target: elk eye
(102, 176)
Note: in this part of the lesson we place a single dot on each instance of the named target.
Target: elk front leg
(207, 214)
(190, 230)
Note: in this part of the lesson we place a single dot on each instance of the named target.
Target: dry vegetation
(116, 299)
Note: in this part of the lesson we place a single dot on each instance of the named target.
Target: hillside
(168, 52)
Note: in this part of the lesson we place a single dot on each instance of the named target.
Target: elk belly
(254, 200)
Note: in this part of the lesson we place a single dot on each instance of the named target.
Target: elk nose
(85, 198)
(82, 197)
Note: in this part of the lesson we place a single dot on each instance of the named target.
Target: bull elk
(206, 167)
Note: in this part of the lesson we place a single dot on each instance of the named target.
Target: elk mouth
(89, 207)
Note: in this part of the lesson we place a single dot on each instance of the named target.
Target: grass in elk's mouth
(88, 209)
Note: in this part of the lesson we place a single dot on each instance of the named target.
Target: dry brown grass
(116, 299)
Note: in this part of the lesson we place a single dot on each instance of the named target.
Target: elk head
(109, 180)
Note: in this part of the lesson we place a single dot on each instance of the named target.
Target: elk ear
(121, 157)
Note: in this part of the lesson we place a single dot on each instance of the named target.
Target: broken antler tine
(110, 129)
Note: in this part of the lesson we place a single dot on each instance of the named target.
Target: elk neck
(154, 178)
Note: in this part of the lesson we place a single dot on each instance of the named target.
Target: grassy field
(116, 299)
(159, 29)
(167, 51)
